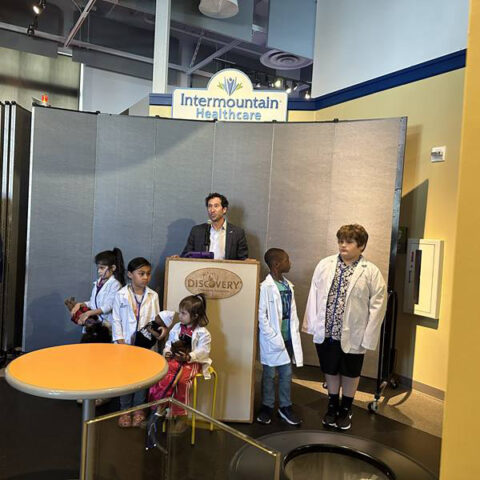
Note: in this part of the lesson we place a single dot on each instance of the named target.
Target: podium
(231, 289)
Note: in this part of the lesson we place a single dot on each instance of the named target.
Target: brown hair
(353, 232)
(196, 306)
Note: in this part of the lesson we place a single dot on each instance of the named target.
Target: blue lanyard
(139, 305)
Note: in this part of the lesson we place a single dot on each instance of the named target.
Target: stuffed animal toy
(146, 339)
(95, 331)
(70, 303)
(180, 348)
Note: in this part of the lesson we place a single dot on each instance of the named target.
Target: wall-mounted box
(423, 277)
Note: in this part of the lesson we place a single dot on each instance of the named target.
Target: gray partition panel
(124, 186)
(364, 175)
(300, 196)
(59, 246)
(4, 134)
(182, 178)
(242, 165)
(15, 199)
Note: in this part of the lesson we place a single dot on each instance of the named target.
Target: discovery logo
(213, 282)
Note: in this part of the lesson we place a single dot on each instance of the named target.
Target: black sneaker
(287, 414)
(265, 415)
(344, 419)
(330, 418)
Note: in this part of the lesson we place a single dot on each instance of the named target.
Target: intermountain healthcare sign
(229, 96)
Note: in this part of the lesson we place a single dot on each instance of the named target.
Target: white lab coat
(272, 346)
(124, 321)
(105, 298)
(365, 305)
(201, 344)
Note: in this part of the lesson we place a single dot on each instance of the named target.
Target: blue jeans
(132, 399)
(284, 384)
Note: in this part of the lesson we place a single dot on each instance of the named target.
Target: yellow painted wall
(434, 110)
(460, 446)
(161, 111)
(301, 116)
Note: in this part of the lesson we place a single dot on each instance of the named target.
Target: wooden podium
(231, 288)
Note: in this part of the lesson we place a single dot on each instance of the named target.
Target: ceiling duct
(219, 8)
(279, 60)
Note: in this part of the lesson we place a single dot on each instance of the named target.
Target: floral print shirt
(336, 298)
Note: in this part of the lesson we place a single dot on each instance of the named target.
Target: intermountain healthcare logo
(230, 96)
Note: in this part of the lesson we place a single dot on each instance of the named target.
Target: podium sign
(231, 288)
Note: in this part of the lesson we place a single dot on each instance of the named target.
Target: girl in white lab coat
(182, 366)
(111, 278)
(135, 310)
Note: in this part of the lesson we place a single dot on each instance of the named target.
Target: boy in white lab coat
(279, 338)
(344, 313)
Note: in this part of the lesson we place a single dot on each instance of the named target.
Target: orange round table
(86, 371)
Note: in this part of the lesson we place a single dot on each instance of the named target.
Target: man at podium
(225, 240)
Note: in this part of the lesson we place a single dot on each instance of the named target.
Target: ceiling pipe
(79, 23)
(214, 55)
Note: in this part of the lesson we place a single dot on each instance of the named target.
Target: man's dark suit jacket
(236, 247)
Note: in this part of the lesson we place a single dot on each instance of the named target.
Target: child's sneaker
(265, 415)
(330, 418)
(344, 419)
(287, 414)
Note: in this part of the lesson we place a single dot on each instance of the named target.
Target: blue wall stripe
(437, 66)
(161, 99)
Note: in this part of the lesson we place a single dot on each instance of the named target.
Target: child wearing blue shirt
(279, 338)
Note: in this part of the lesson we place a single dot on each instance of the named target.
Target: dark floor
(40, 438)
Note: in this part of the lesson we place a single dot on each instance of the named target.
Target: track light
(278, 83)
(32, 27)
(307, 96)
(39, 7)
(289, 90)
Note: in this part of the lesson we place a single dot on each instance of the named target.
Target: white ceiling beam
(79, 23)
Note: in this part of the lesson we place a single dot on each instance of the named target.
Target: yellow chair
(213, 375)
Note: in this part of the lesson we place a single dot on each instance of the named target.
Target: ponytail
(119, 272)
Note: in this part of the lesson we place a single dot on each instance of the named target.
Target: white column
(161, 46)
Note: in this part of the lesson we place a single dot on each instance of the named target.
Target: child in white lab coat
(183, 366)
(135, 310)
(279, 338)
(111, 278)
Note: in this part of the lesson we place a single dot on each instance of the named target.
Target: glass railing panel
(163, 448)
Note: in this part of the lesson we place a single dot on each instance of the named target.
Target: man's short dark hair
(273, 255)
(222, 198)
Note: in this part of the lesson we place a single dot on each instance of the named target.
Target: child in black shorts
(345, 310)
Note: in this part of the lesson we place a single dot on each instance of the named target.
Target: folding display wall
(14, 154)
(100, 181)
